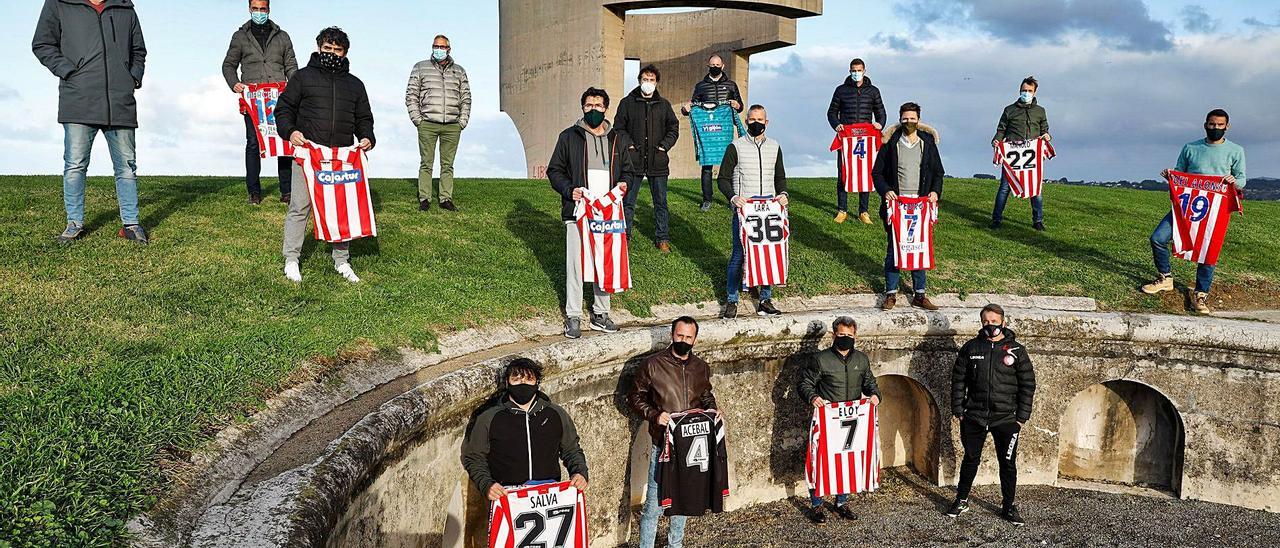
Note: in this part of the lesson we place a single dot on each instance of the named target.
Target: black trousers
(708, 184)
(973, 436)
(253, 163)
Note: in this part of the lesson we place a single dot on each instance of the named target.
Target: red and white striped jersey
(341, 204)
(602, 231)
(764, 231)
(259, 102)
(911, 221)
(1202, 208)
(858, 145)
(1023, 165)
(549, 515)
(844, 449)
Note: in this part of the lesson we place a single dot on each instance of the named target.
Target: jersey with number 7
(844, 449)
(693, 468)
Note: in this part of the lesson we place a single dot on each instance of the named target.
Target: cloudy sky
(1125, 82)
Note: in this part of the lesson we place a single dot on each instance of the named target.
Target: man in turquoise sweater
(1213, 155)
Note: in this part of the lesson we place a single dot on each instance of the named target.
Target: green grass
(116, 360)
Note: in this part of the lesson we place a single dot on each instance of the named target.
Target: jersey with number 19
(911, 221)
(552, 515)
(764, 230)
(1202, 208)
(844, 449)
(693, 468)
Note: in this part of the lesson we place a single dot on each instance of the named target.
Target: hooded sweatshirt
(598, 158)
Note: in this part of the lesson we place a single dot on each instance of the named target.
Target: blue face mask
(856, 75)
(1025, 96)
(259, 17)
(439, 54)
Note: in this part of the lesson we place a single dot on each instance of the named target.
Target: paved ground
(908, 512)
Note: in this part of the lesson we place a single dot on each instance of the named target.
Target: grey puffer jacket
(99, 58)
(438, 92)
(276, 63)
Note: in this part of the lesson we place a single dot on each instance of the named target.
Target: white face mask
(648, 88)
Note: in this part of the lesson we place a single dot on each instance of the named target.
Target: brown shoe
(255, 199)
(664, 247)
(921, 301)
(890, 301)
(284, 198)
(1199, 301)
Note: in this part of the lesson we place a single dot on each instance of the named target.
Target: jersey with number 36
(764, 231)
(844, 449)
(693, 468)
(551, 515)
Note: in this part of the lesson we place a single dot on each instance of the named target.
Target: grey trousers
(295, 224)
(573, 277)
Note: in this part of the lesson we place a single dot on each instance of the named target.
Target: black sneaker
(1039, 226)
(844, 512)
(424, 205)
(73, 232)
(816, 515)
(601, 322)
(730, 311)
(706, 206)
(255, 199)
(448, 205)
(995, 225)
(960, 506)
(134, 233)
(284, 198)
(572, 328)
(765, 308)
(1011, 515)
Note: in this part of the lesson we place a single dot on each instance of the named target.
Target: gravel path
(907, 511)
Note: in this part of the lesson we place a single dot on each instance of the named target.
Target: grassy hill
(118, 359)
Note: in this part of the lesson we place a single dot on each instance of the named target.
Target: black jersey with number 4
(693, 469)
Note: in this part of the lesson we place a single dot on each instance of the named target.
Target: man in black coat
(715, 89)
(651, 123)
(324, 104)
(856, 101)
(992, 387)
(908, 165)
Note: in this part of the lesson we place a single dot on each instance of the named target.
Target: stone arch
(909, 425)
(1122, 431)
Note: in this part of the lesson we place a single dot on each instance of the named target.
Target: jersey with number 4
(693, 468)
(844, 449)
(764, 232)
(1023, 165)
(1202, 208)
(857, 146)
(911, 221)
(552, 515)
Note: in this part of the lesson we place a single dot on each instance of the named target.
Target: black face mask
(332, 62)
(681, 348)
(715, 72)
(522, 393)
(1215, 134)
(593, 118)
(755, 129)
(844, 343)
(991, 331)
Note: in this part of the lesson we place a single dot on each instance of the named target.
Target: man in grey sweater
(260, 53)
(96, 50)
(439, 101)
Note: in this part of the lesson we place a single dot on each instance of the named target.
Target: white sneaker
(292, 272)
(349, 274)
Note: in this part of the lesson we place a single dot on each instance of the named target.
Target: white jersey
(844, 449)
(765, 233)
(552, 515)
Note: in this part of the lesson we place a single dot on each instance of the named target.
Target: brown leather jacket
(666, 383)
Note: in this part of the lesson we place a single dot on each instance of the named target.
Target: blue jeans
(77, 146)
(658, 190)
(1160, 238)
(816, 501)
(893, 277)
(735, 268)
(1002, 196)
(649, 515)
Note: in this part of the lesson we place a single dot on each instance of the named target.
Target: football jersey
(259, 102)
(764, 230)
(713, 129)
(552, 515)
(1023, 165)
(602, 233)
(857, 146)
(911, 221)
(693, 468)
(341, 204)
(1202, 208)
(844, 449)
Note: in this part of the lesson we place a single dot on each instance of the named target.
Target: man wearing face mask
(327, 105)
(992, 387)
(590, 158)
(1024, 120)
(715, 88)
(260, 53)
(672, 381)
(752, 167)
(1213, 155)
(522, 438)
(439, 101)
(856, 101)
(909, 165)
(838, 374)
(646, 117)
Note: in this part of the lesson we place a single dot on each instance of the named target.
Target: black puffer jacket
(992, 381)
(653, 128)
(327, 106)
(717, 91)
(854, 104)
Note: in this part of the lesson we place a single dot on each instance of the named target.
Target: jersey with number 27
(765, 233)
(844, 449)
(552, 515)
(693, 468)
